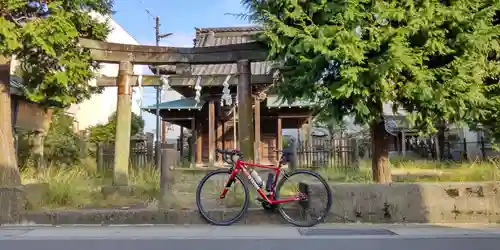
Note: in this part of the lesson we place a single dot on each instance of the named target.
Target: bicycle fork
(228, 184)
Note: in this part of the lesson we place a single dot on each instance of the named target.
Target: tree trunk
(380, 156)
(9, 173)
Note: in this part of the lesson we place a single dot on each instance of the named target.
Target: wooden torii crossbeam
(181, 80)
(126, 55)
(153, 55)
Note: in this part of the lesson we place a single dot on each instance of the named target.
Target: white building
(99, 107)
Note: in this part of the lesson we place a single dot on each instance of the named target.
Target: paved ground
(332, 236)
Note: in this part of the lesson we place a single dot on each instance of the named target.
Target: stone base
(15, 200)
(12, 204)
(140, 216)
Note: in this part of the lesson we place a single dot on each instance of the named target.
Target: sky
(177, 16)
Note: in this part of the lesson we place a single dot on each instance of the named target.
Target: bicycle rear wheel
(208, 197)
(313, 207)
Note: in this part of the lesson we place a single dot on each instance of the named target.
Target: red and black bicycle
(309, 200)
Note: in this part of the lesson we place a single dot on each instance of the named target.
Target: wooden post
(309, 130)
(164, 132)
(193, 147)
(293, 164)
(123, 123)
(403, 143)
(38, 139)
(199, 143)
(258, 156)
(100, 158)
(211, 132)
(181, 142)
(437, 147)
(483, 148)
(355, 152)
(279, 139)
(220, 138)
(465, 154)
(298, 134)
(245, 130)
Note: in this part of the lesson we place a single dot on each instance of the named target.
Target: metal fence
(342, 153)
(456, 150)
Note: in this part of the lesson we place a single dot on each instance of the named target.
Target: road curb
(140, 216)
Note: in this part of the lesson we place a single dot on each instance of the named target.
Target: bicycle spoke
(223, 211)
(308, 210)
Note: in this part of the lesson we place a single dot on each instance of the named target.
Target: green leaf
(55, 70)
(438, 60)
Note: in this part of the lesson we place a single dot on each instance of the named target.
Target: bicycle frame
(241, 166)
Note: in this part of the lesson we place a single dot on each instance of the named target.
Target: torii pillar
(245, 112)
(123, 124)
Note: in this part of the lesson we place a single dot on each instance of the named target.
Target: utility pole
(158, 91)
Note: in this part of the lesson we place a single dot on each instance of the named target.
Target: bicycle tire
(328, 206)
(204, 213)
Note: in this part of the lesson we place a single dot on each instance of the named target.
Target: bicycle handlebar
(227, 154)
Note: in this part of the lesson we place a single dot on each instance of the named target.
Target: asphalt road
(338, 237)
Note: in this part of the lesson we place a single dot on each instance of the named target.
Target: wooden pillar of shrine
(220, 138)
(199, 143)
(211, 132)
(257, 147)
(164, 132)
(279, 137)
(193, 146)
(245, 124)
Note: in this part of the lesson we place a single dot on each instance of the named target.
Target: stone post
(123, 123)
(167, 179)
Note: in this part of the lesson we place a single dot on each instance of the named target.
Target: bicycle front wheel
(315, 199)
(225, 211)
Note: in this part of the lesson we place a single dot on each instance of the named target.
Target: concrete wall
(397, 202)
(416, 202)
(374, 203)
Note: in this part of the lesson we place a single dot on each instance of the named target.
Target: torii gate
(126, 55)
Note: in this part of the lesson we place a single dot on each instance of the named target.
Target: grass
(80, 186)
(411, 170)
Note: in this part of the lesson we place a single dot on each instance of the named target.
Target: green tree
(433, 58)
(106, 132)
(324, 119)
(44, 39)
(62, 145)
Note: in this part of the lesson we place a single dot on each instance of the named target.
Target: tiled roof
(16, 85)
(208, 37)
(273, 101)
(186, 103)
(229, 29)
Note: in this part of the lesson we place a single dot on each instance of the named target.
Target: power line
(149, 13)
